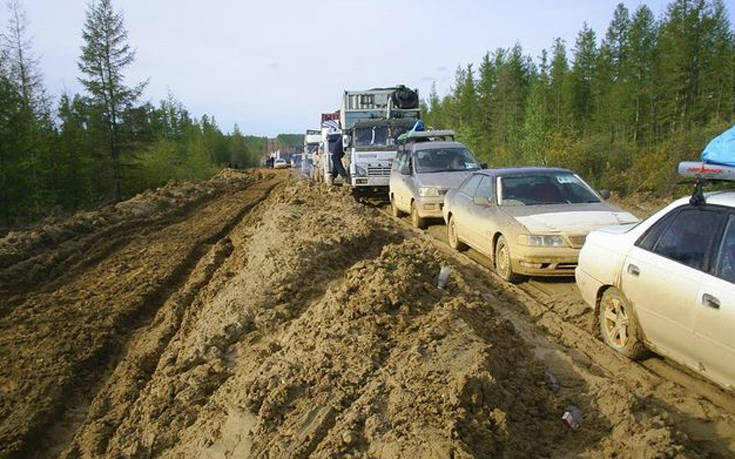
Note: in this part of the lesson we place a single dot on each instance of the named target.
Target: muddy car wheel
(452, 237)
(416, 220)
(393, 209)
(619, 326)
(503, 265)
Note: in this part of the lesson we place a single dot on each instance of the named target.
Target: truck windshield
(545, 188)
(444, 160)
(371, 136)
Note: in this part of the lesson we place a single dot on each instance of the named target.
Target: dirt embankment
(284, 319)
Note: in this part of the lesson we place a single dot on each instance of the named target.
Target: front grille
(566, 266)
(378, 171)
(577, 241)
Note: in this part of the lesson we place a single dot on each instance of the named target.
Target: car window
(485, 188)
(649, 238)
(726, 253)
(689, 237)
(469, 186)
(398, 162)
(545, 187)
(431, 160)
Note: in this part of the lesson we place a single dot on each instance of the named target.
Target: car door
(479, 216)
(662, 275)
(714, 320)
(463, 202)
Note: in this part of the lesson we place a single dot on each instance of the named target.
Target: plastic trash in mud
(572, 417)
(443, 277)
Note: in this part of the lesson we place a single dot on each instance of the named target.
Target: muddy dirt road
(255, 315)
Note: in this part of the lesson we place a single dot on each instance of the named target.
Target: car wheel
(417, 221)
(503, 265)
(619, 326)
(393, 209)
(452, 237)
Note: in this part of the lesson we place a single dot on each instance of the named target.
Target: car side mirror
(483, 165)
(346, 141)
(406, 169)
(605, 194)
(482, 201)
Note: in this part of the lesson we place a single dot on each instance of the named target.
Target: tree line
(102, 145)
(622, 113)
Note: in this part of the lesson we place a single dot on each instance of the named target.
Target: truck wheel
(503, 265)
(452, 237)
(393, 209)
(619, 326)
(417, 221)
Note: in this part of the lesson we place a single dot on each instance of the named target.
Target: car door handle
(633, 270)
(710, 301)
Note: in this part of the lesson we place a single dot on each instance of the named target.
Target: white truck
(371, 121)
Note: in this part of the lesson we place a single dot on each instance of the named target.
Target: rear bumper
(544, 261)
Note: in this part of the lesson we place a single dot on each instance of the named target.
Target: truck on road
(371, 121)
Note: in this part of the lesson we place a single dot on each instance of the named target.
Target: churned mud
(256, 315)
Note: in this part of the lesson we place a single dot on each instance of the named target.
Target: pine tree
(105, 54)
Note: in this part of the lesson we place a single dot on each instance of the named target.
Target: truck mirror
(346, 141)
(483, 165)
(605, 194)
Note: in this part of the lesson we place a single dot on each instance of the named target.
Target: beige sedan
(529, 221)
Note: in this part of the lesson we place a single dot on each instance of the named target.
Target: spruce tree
(105, 54)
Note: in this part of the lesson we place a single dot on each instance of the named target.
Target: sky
(273, 66)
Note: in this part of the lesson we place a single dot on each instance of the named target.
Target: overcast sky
(274, 66)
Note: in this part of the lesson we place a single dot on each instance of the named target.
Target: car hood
(569, 218)
(447, 180)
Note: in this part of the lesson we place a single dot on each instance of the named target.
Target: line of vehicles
(666, 283)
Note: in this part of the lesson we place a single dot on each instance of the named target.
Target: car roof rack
(704, 173)
(426, 136)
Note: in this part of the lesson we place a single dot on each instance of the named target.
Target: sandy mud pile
(296, 322)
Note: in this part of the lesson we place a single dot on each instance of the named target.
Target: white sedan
(668, 284)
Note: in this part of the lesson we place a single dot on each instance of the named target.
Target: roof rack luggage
(426, 136)
(702, 173)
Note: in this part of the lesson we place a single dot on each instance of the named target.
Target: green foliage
(622, 113)
(102, 146)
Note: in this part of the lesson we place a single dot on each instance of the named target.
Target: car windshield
(545, 188)
(444, 160)
(371, 136)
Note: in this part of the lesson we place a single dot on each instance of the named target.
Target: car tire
(394, 209)
(452, 237)
(619, 326)
(416, 220)
(503, 265)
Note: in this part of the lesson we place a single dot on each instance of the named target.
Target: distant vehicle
(371, 121)
(280, 163)
(529, 221)
(424, 171)
(668, 284)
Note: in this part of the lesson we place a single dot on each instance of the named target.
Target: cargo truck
(371, 121)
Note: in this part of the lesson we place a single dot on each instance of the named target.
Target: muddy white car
(668, 284)
(529, 221)
(280, 163)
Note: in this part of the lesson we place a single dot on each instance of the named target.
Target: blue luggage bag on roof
(721, 149)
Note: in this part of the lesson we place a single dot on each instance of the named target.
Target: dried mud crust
(57, 247)
(57, 342)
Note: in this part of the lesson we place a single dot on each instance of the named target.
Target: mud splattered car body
(667, 284)
(530, 221)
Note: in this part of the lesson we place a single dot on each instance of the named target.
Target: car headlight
(360, 171)
(541, 240)
(428, 192)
